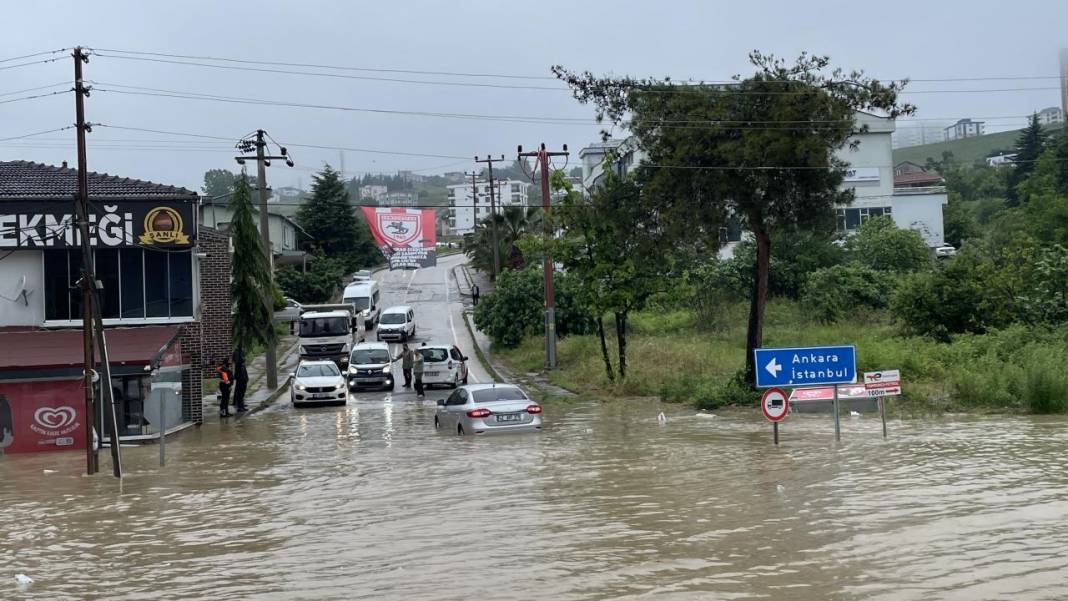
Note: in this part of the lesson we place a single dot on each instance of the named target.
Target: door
(461, 370)
(454, 406)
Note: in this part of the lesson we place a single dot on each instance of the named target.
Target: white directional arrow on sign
(773, 368)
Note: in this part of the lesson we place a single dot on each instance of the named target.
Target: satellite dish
(21, 293)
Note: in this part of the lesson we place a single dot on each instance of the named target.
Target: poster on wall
(406, 237)
(42, 416)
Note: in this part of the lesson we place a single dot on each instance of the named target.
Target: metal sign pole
(837, 417)
(882, 413)
(775, 426)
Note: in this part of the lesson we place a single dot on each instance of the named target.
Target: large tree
(1029, 146)
(218, 183)
(333, 227)
(250, 281)
(761, 149)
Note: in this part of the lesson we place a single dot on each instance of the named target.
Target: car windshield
(359, 302)
(434, 355)
(367, 356)
(323, 326)
(318, 370)
(393, 318)
(498, 393)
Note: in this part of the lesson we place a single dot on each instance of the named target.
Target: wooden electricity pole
(489, 161)
(542, 158)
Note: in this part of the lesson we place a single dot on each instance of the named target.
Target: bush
(832, 292)
(318, 285)
(730, 392)
(879, 244)
(1044, 386)
(515, 308)
(793, 254)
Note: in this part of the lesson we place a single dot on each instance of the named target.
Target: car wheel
(459, 429)
(404, 337)
(379, 338)
(453, 384)
(465, 378)
(392, 386)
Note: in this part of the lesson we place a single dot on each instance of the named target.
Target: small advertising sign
(882, 383)
(42, 416)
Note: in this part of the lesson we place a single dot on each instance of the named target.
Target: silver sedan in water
(488, 409)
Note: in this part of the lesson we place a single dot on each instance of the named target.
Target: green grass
(966, 151)
(1011, 371)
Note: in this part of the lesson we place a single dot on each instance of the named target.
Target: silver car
(488, 409)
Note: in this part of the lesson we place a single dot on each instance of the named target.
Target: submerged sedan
(488, 409)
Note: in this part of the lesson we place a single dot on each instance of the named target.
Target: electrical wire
(37, 133)
(35, 54)
(62, 83)
(336, 75)
(41, 62)
(57, 93)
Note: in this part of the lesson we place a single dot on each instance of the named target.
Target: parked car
(397, 324)
(945, 251)
(443, 365)
(318, 382)
(371, 365)
(488, 409)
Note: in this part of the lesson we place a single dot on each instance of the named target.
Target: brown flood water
(366, 502)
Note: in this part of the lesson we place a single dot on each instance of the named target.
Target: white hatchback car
(318, 382)
(396, 324)
(443, 365)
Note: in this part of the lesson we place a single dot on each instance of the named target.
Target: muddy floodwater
(367, 502)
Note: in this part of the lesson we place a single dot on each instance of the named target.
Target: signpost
(807, 366)
(880, 384)
(774, 406)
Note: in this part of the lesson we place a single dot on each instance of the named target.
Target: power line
(62, 83)
(57, 93)
(338, 75)
(336, 67)
(40, 62)
(38, 133)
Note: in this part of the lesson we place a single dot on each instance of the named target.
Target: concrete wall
(13, 267)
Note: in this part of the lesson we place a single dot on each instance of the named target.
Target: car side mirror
(441, 402)
(465, 358)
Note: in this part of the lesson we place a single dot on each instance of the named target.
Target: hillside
(965, 151)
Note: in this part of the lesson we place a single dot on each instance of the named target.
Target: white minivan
(364, 298)
(397, 324)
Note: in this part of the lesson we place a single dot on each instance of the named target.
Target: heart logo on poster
(55, 418)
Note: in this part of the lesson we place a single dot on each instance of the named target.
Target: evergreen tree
(250, 273)
(334, 228)
(1029, 146)
(1060, 156)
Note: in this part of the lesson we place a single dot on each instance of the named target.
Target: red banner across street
(406, 237)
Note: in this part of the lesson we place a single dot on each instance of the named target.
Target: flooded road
(366, 501)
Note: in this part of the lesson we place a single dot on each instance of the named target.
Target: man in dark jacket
(241, 380)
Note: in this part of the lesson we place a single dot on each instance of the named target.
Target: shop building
(164, 298)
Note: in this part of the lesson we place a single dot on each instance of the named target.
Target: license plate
(321, 395)
(431, 373)
(510, 417)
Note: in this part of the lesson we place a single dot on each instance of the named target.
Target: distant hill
(965, 151)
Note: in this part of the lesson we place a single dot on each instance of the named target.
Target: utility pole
(81, 209)
(92, 323)
(489, 160)
(542, 157)
(270, 354)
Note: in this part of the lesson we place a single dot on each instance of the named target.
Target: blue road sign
(805, 366)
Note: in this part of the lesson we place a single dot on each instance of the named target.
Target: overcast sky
(702, 39)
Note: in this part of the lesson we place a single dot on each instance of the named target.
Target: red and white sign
(826, 393)
(42, 416)
(407, 237)
(773, 404)
(882, 383)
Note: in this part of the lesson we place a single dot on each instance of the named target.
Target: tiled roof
(22, 180)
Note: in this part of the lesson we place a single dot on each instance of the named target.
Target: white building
(467, 207)
(1050, 115)
(399, 199)
(1005, 158)
(375, 192)
(917, 133)
(870, 176)
(964, 128)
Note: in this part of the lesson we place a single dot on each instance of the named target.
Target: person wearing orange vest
(226, 380)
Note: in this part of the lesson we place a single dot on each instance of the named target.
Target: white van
(365, 298)
(397, 324)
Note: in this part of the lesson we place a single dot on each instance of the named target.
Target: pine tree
(333, 228)
(250, 272)
(1029, 146)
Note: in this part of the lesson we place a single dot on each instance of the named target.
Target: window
(515, 188)
(456, 354)
(127, 292)
(457, 398)
(847, 220)
(318, 370)
(499, 393)
(434, 355)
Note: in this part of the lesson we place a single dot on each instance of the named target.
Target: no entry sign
(773, 404)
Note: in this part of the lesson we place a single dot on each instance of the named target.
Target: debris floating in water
(23, 580)
(779, 488)
(661, 418)
(707, 415)
(854, 414)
